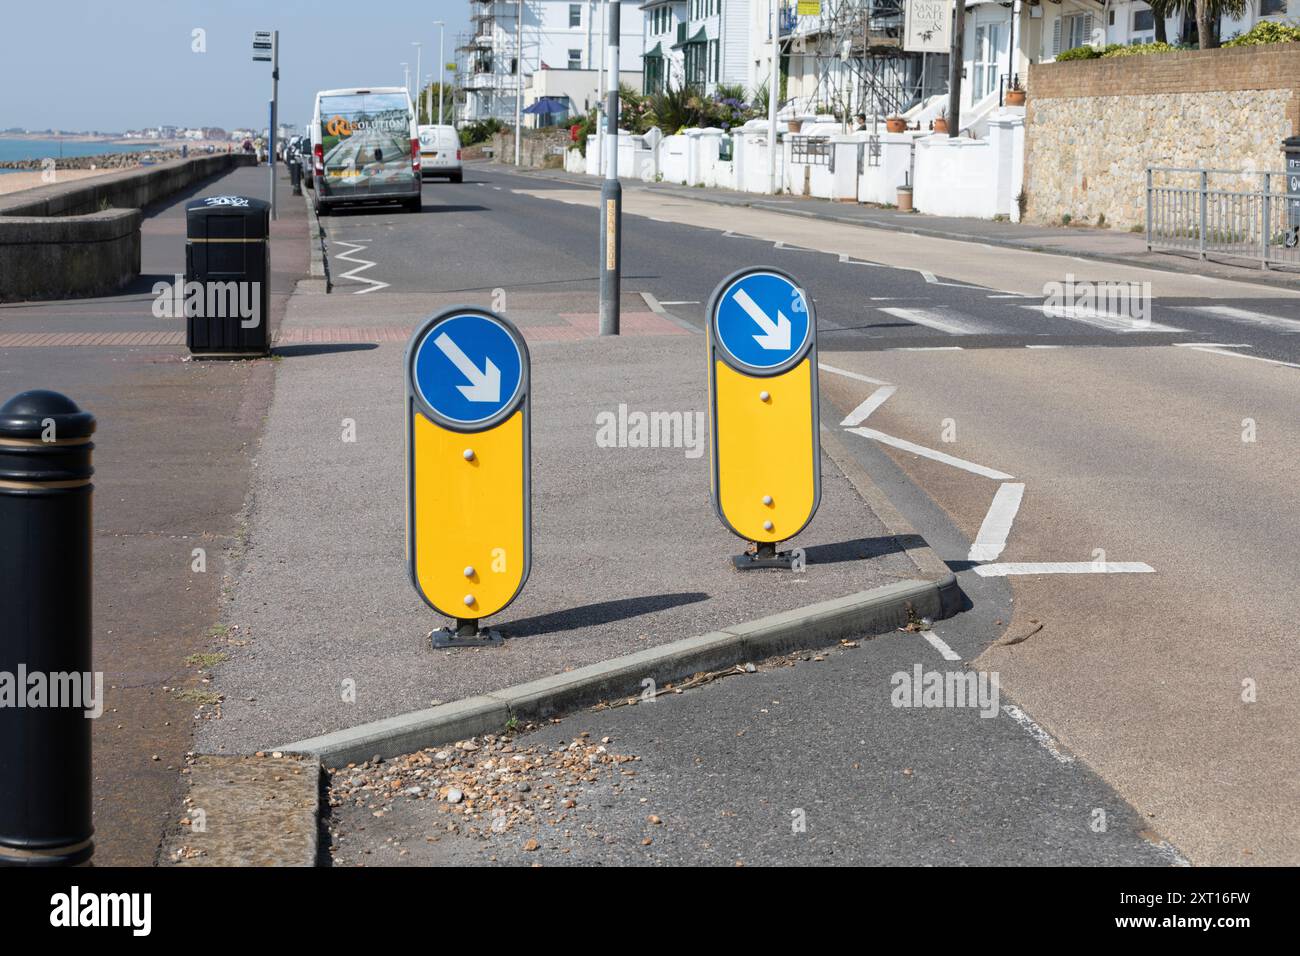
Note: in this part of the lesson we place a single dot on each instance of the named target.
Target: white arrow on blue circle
(776, 335)
(485, 383)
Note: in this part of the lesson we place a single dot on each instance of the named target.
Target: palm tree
(1206, 13)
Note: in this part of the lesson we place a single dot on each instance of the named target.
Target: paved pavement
(627, 552)
(172, 459)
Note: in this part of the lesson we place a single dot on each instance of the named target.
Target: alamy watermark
(1121, 300)
(36, 689)
(212, 300)
(634, 429)
(922, 688)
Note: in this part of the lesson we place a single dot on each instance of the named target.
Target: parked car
(440, 153)
(365, 148)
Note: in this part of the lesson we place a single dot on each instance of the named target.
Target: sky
(114, 65)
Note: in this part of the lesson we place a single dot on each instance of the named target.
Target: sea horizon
(13, 150)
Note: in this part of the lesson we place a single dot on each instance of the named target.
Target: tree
(1206, 14)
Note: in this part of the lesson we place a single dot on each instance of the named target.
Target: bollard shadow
(858, 549)
(602, 612)
(294, 351)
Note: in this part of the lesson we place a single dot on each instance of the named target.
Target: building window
(1144, 21)
(575, 59)
(1272, 8)
(575, 14)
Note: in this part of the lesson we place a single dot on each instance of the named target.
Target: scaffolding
(859, 64)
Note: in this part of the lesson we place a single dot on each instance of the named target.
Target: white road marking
(682, 302)
(1213, 345)
(1063, 567)
(1101, 319)
(847, 259)
(1255, 358)
(1233, 314)
(363, 265)
(931, 453)
(863, 411)
(944, 320)
(1038, 733)
(1043, 346)
(938, 644)
(927, 348)
(992, 537)
(853, 375)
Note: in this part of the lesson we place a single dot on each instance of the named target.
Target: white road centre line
(943, 320)
(853, 375)
(931, 453)
(938, 644)
(1254, 358)
(1233, 314)
(1063, 567)
(874, 401)
(992, 537)
(1038, 733)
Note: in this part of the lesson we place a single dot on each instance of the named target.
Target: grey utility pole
(773, 91)
(519, 76)
(441, 27)
(955, 68)
(275, 113)
(611, 193)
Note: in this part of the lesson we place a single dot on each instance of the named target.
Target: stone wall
(82, 238)
(1093, 126)
(540, 148)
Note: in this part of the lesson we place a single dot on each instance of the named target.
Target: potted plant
(895, 124)
(793, 125)
(941, 122)
(1016, 93)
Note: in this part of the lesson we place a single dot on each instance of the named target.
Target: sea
(15, 149)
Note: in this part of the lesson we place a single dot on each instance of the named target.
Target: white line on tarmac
(927, 348)
(682, 302)
(1254, 358)
(944, 320)
(1038, 733)
(874, 401)
(853, 375)
(1213, 345)
(992, 537)
(1063, 567)
(1233, 314)
(1101, 319)
(932, 454)
(938, 644)
(363, 265)
(1043, 346)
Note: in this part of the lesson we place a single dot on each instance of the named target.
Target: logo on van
(338, 126)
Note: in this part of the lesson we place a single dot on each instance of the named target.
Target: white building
(554, 36)
(702, 44)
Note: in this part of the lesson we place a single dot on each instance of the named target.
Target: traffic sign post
(468, 469)
(765, 452)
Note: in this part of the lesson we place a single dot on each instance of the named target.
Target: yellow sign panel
(808, 8)
(468, 517)
(468, 454)
(766, 464)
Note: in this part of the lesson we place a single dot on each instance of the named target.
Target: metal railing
(1232, 213)
(812, 150)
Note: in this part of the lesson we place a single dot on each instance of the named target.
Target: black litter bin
(227, 276)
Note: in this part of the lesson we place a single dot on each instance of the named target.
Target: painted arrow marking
(776, 335)
(485, 383)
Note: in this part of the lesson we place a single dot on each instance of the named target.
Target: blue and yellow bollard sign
(766, 456)
(468, 464)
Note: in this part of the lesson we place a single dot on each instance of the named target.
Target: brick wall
(1093, 126)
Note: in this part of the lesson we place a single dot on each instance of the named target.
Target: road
(1110, 484)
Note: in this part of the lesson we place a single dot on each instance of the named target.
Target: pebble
(455, 796)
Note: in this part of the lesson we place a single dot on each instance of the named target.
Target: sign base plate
(466, 633)
(766, 556)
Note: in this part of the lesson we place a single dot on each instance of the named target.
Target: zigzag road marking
(362, 266)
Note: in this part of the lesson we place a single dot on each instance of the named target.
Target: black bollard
(45, 579)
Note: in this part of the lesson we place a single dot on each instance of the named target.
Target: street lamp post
(419, 49)
(441, 29)
(519, 75)
(773, 91)
(406, 77)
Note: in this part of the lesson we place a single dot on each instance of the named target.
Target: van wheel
(414, 204)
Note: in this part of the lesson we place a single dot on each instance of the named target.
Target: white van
(365, 148)
(440, 152)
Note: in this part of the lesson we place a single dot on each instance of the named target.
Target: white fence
(958, 176)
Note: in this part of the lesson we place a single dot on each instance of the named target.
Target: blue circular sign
(468, 369)
(763, 320)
